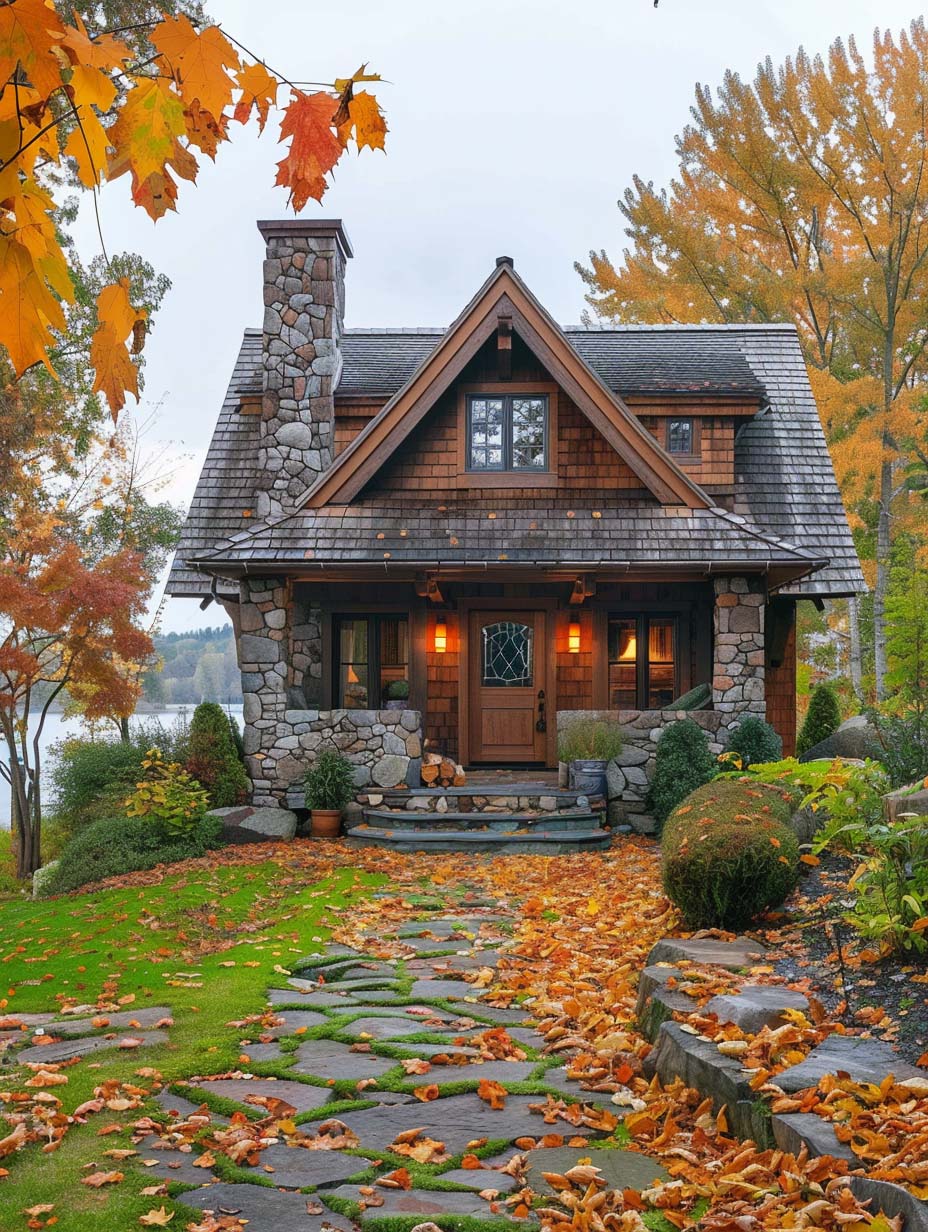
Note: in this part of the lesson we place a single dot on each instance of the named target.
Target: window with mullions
(642, 662)
(507, 432)
(372, 654)
(681, 436)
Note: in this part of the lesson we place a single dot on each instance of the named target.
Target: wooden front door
(507, 655)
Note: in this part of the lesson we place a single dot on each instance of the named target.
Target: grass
(206, 944)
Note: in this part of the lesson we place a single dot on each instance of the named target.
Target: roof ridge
(694, 327)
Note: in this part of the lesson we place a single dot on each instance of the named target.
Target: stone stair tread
(793, 1130)
(481, 789)
(501, 837)
(476, 818)
(866, 1060)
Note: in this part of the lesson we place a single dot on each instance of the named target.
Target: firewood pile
(438, 771)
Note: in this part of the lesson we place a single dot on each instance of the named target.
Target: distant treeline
(194, 667)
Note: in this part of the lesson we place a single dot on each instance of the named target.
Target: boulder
(913, 799)
(41, 877)
(246, 824)
(856, 738)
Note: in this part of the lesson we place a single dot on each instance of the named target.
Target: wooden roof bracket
(504, 348)
(427, 588)
(584, 588)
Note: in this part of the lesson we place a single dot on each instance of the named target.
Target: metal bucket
(588, 776)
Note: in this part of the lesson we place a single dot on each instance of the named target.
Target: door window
(507, 649)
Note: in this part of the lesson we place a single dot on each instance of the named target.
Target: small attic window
(507, 432)
(681, 436)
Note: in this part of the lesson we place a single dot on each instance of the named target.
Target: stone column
(738, 666)
(262, 656)
(304, 308)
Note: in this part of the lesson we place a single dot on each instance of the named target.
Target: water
(57, 726)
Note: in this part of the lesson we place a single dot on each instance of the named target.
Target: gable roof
(505, 295)
(784, 480)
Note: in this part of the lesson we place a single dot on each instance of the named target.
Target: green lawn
(206, 944)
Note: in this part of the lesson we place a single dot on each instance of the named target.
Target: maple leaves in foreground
(69, 96)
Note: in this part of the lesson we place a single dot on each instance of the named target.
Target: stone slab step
(794, 1130)
(866, 1060)
(539, 842)
(432, 821)
(892, 1200)
(742, 953)
(500, 795)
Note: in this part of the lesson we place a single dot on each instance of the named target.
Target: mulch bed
(808, 933)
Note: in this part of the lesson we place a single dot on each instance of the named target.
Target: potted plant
(587, 745)
(397, 694)
(329, 787)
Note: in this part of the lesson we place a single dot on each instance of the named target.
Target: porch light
(573, 637)
(441, 636)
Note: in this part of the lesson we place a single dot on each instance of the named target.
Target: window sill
(507, 479)
(687, 459)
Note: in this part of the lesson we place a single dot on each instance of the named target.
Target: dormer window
(681, 436)
(507, 432)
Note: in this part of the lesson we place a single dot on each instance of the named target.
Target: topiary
(116, 845)
(823, 718)
(728, 854)
(682, 764)
(754, 742)
(213, 758)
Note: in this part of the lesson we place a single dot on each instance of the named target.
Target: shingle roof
(786, 499)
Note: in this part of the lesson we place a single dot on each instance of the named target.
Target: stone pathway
(389, 1088)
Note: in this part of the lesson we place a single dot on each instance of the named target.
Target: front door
(507, 687)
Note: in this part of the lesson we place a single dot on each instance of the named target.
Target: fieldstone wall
(738, 668)
(306, 658)
(384, 745)
(262, 658)
(629, 774)
(304, 304)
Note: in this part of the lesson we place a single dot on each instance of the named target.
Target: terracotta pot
(325, 823)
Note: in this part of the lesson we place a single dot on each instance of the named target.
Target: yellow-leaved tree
(803, 196)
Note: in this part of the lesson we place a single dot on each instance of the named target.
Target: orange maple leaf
(198, 61)
(314, 146)
(259, 91)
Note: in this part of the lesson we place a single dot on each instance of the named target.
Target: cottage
(458, 538)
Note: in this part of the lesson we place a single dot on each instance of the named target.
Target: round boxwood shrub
(755, 742)
(683, 763)
(213, 759)
(117, 845)
(728, 853)
(823, 718)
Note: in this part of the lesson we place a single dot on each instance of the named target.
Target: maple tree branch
(66, 115)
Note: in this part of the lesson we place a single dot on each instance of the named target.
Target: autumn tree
(803, 196)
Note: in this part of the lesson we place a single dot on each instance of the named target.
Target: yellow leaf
(156, 1218)
(198, 61)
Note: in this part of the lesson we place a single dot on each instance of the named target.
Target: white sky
(514, 127)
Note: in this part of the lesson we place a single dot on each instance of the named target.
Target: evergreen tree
(822, 718)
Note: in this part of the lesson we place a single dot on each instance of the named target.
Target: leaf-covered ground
(207, 941)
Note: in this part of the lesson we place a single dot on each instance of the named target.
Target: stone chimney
(304, 312)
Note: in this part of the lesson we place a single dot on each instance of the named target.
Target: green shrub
(213, 759)
(728, 854)
(754, 742)
(589, 740)
(823, 718)
(902, 744)
(329, 782)
(168, 795)
(683, 763)
(117, 845)
(91, 778)
(398, 690)
(237, 738)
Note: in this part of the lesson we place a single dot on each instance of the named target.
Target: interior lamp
(573, 637)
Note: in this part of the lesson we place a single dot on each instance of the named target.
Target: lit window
(507, 433)
(372, 661)
(680, 437)
(642, 662)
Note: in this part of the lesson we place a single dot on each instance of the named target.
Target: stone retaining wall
(629, 774)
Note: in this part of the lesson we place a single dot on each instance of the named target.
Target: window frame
(374, 666)
(507, 399)
(643, 622)
(694, 452)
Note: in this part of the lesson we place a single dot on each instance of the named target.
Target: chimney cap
(303, 228)
(505, 261)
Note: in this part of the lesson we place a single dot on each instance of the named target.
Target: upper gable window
(681, 436)
(507, 432)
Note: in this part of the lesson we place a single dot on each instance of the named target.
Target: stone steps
(499, 842)
(498, 798)
(429, 822)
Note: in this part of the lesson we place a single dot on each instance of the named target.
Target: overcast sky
(514, 127)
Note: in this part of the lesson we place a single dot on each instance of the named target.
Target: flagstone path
(369, 1073)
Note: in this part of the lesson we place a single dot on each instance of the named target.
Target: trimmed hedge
(728, 853)
(117, 845)
(683, 762)
(755, 742)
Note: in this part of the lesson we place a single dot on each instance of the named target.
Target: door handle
(542, 724)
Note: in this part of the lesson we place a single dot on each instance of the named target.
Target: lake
(57, 726)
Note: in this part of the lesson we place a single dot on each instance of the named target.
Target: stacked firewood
(438, 771)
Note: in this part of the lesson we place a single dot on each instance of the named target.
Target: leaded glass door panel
(507, 687)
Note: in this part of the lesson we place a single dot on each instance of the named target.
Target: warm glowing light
(441, 637)
(630, 653)
(573, 637)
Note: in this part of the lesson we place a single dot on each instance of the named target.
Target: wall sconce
(441, 636)
(573, 637)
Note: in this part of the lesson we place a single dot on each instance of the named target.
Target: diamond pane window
(506, 661)
(507, 433)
